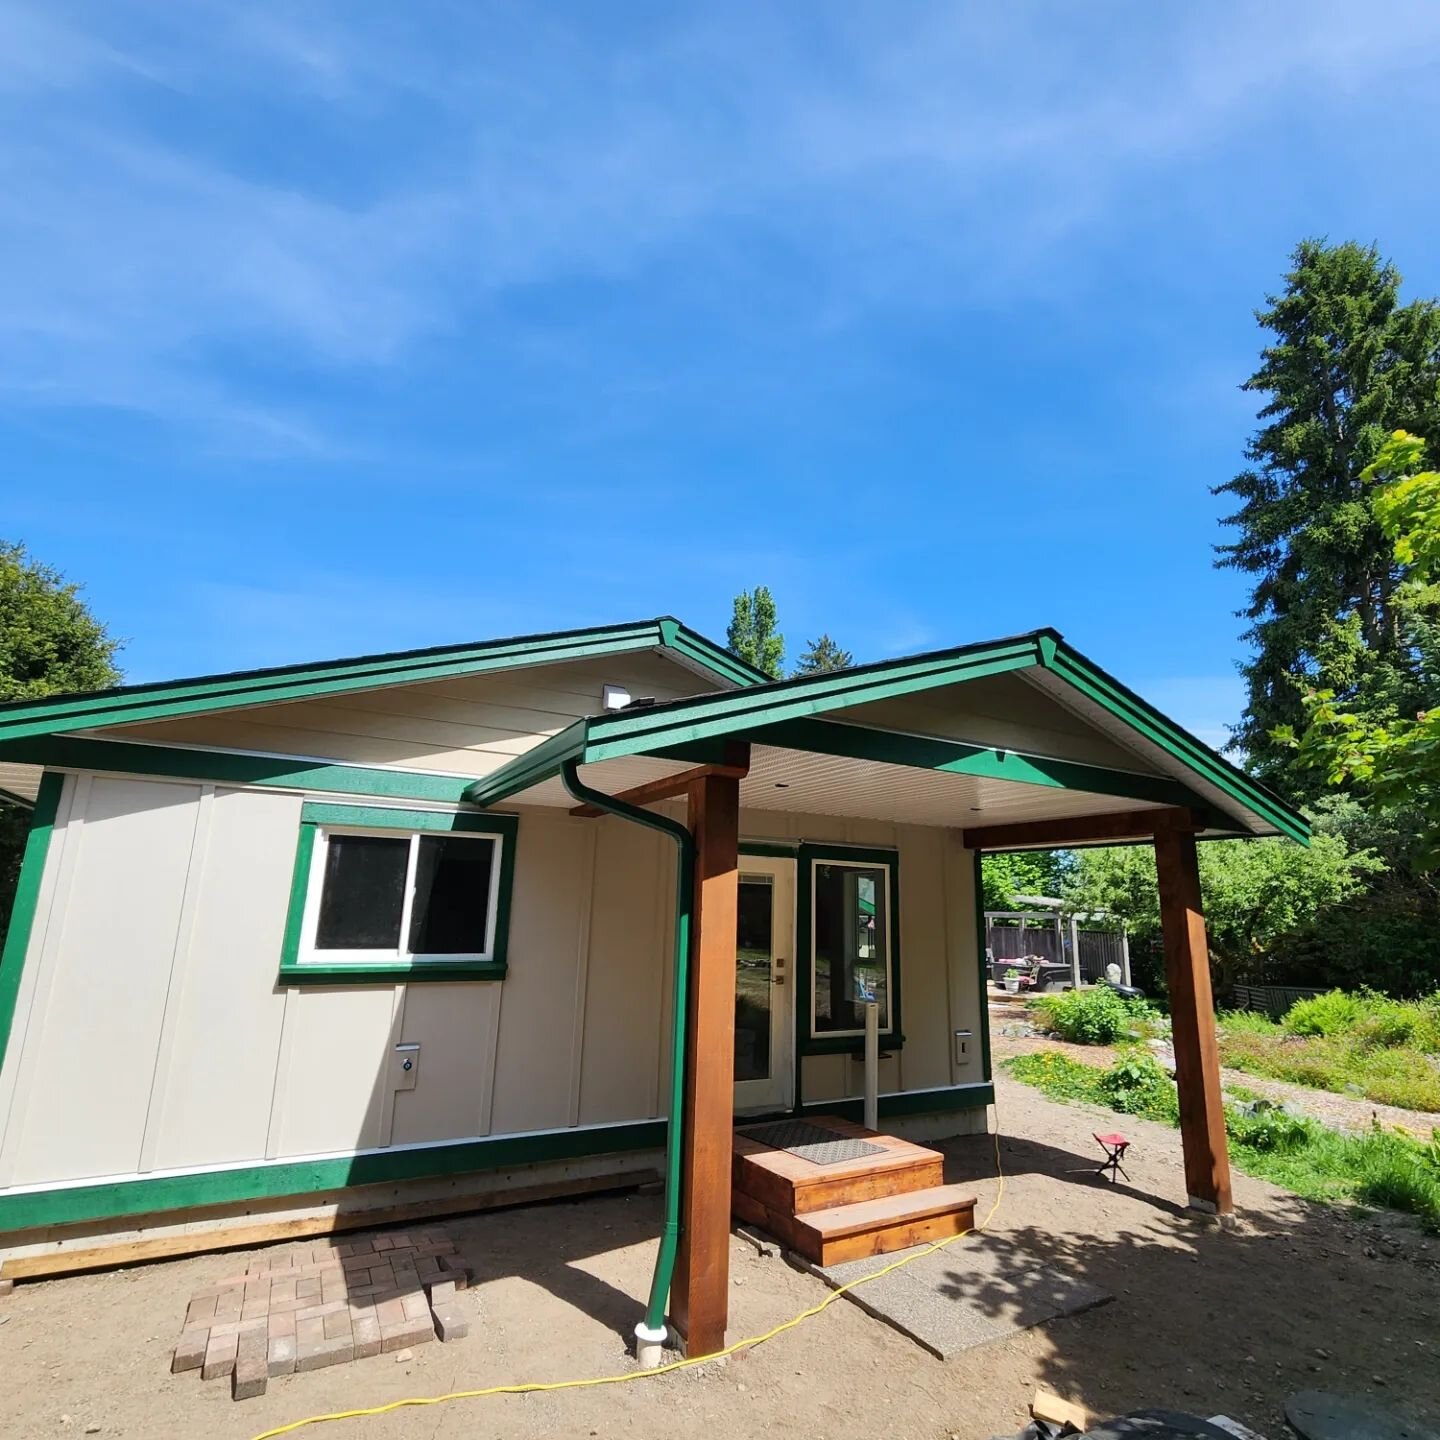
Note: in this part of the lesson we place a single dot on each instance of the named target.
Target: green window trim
(316, 815)
(808, 855)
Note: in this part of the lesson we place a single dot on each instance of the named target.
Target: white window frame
(400, 955)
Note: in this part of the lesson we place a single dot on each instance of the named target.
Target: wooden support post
(1192, 1014)
(700, 1293)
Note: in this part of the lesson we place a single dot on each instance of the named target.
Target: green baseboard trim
(914, 1102)
(298, 1178)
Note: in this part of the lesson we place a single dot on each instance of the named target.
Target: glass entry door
(764, 984)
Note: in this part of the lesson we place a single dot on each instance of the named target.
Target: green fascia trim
(680, 722)
(768, 849)
(534, 767)
(168, 699)
(955, 757)
(891, 1038)
(693, 645)
(390, 817)
(69, 752)
(314, 814)
(982, 968)
(110, 1200)
(914, 1102)
(27, 899)
(415, 972)
(1143, 718)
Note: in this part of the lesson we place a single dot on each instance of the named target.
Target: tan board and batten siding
(149, 1035)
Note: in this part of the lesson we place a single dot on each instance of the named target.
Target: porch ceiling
(803, 783)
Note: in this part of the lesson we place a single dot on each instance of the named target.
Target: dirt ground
(1206, 1319)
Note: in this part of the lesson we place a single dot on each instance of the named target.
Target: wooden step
(868, 1227)
(790, 1185)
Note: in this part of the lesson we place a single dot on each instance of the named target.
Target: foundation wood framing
(699, 1296)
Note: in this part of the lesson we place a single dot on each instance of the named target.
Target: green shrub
(1335, 1013)
(1094, 1016)
(1058, 1076)
(1263, 1125)
(1137, 1084)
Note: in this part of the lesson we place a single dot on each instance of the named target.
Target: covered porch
(767, 793)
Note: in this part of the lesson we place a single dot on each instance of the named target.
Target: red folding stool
(1114, 1147)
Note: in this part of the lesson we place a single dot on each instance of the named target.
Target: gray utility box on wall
(964, 1042)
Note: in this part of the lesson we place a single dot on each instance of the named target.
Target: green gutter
(654, 1322)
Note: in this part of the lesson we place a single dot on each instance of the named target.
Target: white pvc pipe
(872, 1065)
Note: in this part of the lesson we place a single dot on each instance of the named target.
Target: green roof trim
(164, 700)
(786, 713)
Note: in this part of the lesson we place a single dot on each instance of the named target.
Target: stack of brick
(322, 1303)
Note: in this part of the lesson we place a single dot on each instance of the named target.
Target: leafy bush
(1263, 1125)
(1335, 1013)
(1058, 1076)
(1136, 1084)
(1095, 1016)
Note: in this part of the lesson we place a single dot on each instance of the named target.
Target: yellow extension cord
(534, 1387)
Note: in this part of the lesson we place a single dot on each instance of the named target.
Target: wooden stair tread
(886, 1210)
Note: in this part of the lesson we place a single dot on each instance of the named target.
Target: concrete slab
(965, 1295)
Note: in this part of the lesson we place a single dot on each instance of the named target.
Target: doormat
(323, 1302)
(811, 1142)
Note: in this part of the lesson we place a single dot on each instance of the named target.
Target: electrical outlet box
(964, 1046)
(406, 1066)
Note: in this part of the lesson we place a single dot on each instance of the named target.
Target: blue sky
(351, 326)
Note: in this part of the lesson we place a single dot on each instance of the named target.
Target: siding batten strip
(175, 985)
(582, 972)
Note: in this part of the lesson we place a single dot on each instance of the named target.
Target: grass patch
(1383, 1168)
(1358, 1044)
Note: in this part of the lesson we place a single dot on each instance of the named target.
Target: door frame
(778, 1092)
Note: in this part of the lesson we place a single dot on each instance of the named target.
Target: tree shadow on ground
(1207, 1317)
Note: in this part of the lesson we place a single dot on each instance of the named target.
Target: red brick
(190, 1351)
(200, 1312)
(337, 1325)
(391, 1311)
(327, 1352)
(251, 1366)
(256, 1309)
(451, 1323)
(416, 1306)
(219, 1356)
(442, 1292)
(366, 1331)
(280, 1355)
(283, 1324)
(308, 1285)
(408, 1332)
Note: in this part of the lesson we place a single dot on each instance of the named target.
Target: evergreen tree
(1348, 364)
(822, 656)
(752, 634)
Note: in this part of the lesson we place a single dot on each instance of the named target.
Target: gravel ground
(1340, 1112)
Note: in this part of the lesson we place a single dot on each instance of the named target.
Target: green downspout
(674, 1132)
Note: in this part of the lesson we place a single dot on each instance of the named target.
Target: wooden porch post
(700, 1292)
(1192, 1013)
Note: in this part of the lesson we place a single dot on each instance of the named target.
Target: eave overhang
(790, 714)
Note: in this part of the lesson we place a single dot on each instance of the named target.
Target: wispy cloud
(200, 202)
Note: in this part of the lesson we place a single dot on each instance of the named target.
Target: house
(298, 948)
